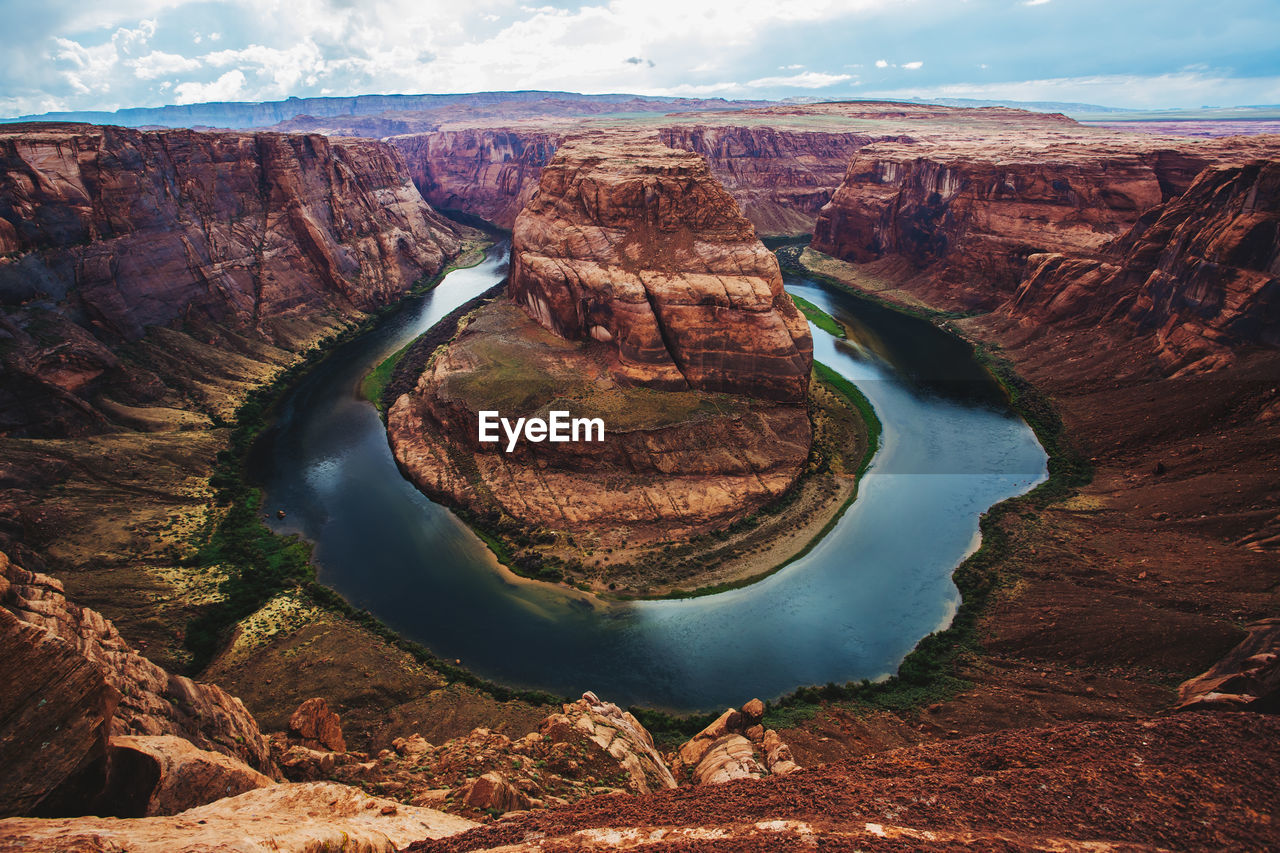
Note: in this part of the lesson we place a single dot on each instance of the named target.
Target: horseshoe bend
(537, 471)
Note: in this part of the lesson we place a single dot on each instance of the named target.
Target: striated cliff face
(972, 218)
(636, 246)
(780, 178)
(648, 303)
(488, 173)
(1202, 272)
(106, 233)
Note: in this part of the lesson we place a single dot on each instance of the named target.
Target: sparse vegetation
(818, 317)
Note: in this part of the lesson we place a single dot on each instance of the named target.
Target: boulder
(731, 757)
(164, 775)
(317, 727)
(493, 792)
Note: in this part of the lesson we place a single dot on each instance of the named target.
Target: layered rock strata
(1200, 272)
(106, 233)
(655, 309)
(780, 177)
(144, 698)
(636, 246)
(968, 213)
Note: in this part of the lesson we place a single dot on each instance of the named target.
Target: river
(852, 608)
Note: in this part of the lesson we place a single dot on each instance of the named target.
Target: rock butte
(656, 309)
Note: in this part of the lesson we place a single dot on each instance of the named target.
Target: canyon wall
(106, 234)
(972, 219)
(780, 178)
(1201, 272)
(636, 246)
(489, 172)
(969, 213)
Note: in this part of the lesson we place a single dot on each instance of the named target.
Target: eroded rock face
(780, 178)
(635, 245)
(56, 707)
(106, 232)
(1247, 679)
(1202, 272)
(165, 775)
(151, 700)
(735, 746)
(486, 172)
(648, 303)
(296, 818)
(977, 213)
(589, 747)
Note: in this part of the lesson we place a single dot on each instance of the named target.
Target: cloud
(113, 53)
(160, 64)
(807, 80)
(1035, 2)
(228, 87)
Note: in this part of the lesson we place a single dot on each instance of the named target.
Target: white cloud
(1035, 2)
(228, 87)
(882, 63)
(807, 80)
(912, 66)
(160, 64)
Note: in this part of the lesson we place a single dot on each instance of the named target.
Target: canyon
(638, 292)
(1123, 286)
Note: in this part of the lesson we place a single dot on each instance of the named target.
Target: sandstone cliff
(636, 246)
(1201, 272)
(148, 700)
(107, 233)
(968, 213)
(488, 173)
(654, 308)
(780, 178)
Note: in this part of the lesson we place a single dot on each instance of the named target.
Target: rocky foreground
(644, 299)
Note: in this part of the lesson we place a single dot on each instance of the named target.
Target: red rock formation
(973, 215)
(735, 746)
(1067, 787)
(116, 231)
(152, 701)
(165, 775)
(1247, 679)
(317, 727)
(488, 172)
(636, 246)
(290, 818)
(55, 709)
(780, 178)
(653, 291)
(1200, 271)
(671, 463)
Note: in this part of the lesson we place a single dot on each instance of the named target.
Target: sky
(108, 54)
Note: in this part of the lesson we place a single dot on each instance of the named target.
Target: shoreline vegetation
(926, 675)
